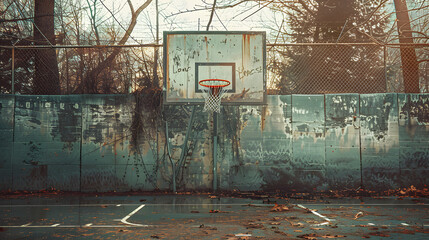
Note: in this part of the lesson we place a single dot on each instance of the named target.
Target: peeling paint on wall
(343, 164)
(46, 137)
(295, 143)
(413, 139)
(379, 140)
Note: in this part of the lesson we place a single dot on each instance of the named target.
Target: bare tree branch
(211, 15)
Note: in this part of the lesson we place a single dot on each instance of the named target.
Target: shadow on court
(84, 216)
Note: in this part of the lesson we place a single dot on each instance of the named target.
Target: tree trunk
(410, 66)
(46, 79)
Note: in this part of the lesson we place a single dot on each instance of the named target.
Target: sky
(171, 18)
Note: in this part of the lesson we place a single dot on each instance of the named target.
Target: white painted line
(54, 225)
(321, 224)
(320, 215)
(124, 220)
(26, 225)
(405, 224)
(371, 224)
(88, 225)
(243, 235)
(315, 213)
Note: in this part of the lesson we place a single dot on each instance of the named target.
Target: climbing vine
(145, 122)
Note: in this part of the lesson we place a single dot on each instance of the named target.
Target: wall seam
(324, 136)
(81, 143)
(13, 140)
(360, 144)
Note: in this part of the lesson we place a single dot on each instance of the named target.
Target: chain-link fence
(291, 69)
(328, 68)
(403, 77)
(77, 70)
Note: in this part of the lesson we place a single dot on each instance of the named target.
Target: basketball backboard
(238, 57)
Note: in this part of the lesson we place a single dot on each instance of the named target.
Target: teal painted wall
(294, 143)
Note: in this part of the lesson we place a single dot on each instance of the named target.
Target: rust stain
(39, 173)
(184, 44)
(246, 50)
(263, 115)
(207, 48)
(245, 57)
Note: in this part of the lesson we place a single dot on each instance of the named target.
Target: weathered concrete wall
(46, 142)
(295, 143)
(413, 132)
(7, 107)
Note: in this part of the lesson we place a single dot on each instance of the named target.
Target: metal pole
(13, 71)
(360, 145)
(215, 120)
(173, 166)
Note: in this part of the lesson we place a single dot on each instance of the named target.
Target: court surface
(85, 216)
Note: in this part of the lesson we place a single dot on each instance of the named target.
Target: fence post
(13, 70)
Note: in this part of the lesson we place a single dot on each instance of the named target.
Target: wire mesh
(406, 77)
(312, 69)
(6, 70)
(291, 69)
(79, 70)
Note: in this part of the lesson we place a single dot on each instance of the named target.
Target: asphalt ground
(94, 216)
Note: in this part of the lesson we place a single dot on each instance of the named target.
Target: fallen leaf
(358, 215)
(281, 233)
(279, 208)
(308, 236)
(379, 234)
(87, 234)
(333, 236)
